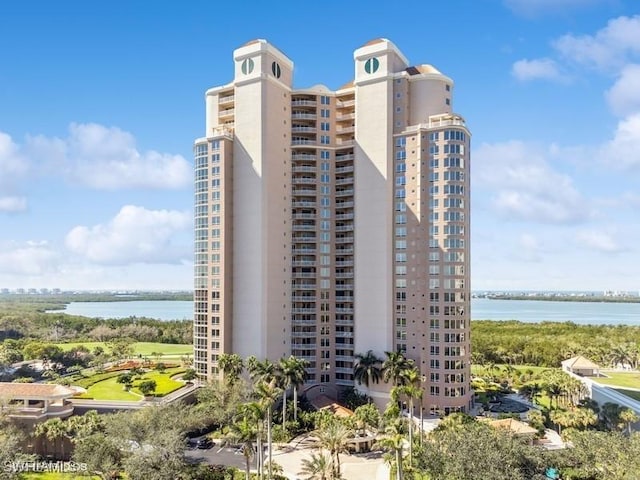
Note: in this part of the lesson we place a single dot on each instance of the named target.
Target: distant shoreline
(563, 298)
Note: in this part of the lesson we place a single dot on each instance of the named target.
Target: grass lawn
(110, 389)
(139, 348)
(619, 379)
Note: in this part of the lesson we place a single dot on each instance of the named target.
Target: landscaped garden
(106, 386)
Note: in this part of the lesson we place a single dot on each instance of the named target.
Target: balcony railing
(342, 158)
(303, 103)
(303, 156)
(226, 113)
(227, 99)
(303, 116)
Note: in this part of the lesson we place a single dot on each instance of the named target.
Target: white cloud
(29, 258)
(525, 187)
(624, 95)
(13, 204)
(598, 240)
(623, 151)
(536, 7)
(537, 69)
(134, 235)
(107, 158)
(612, 46)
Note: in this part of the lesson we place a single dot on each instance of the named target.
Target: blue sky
(100, 102)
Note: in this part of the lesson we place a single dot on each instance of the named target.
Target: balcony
(303, 129)
(303, 263)
(345, 116)
(298, 322)
(347, 169)
(344, 334)
(227, 99)
(345, 103)
(302, 141)
(304, 192)
(304, 169)
(344, 263)
(344, 286)
(343, 158)
(307, 180)
(344, 251)
(303, 251)
(226, 113)
(304, 204)
(303, 334)
(304, 216)
(344, 310)
(303, 298)
(345, 275)
(303, 103)
(344, 205)
(307, 239)
(303, 156)
(304, 286)
(344, 181)
(345, 192)
(303, 228)
(303, 275)
(345, 130)
(303, 346)
(344, 216)
(303, 116)
(344, 228)
(303, 310)
(344, 239)
(345, 143)
(344, 298)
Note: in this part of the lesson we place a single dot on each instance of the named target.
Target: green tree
(394, 366)
(126, 379)
(293, 374)
(147, 387)
(101, 454)
(393, 442)
(628, 416)
(367, 368)
(53, 429)
(334, 435)
(243, 432)
(231, 365)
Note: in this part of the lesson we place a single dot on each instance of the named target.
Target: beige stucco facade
(330, 223)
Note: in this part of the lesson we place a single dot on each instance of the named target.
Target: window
(324, 100)
(325, 139)
(401, 142)
(324, 113)
(215, 145)
(324, 154)
(324, 126)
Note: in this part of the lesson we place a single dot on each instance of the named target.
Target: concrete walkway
(365, 466)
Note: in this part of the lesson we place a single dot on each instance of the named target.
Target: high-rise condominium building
(331, 223)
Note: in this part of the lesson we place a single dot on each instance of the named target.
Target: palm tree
(256, 412)
(394, 442)
(52, 430)
(231, 365)
(333, 436)
(367, 368)
(294, 374)
(628, 416)
(264, 370)
(394, 366)
(243, 432)
(318, 467)
(268, 394)
(411, 390)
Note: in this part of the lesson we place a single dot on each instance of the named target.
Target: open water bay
(481, 309)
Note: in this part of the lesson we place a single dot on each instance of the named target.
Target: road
(217, 455)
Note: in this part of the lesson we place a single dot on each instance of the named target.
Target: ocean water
(481, 309)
